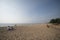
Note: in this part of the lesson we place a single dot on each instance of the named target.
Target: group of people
(10, 28)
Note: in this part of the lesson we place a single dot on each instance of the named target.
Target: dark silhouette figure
(48, 26)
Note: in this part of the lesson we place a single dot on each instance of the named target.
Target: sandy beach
(33, 32)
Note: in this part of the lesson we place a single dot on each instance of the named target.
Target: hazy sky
(28, 11)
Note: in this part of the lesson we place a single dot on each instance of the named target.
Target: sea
(6, 24)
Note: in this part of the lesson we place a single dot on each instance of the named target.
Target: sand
(34, 32)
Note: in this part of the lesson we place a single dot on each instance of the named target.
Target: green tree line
(57, 20)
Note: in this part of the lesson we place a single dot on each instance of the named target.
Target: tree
(57, 20)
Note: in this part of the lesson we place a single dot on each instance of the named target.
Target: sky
(29, 11)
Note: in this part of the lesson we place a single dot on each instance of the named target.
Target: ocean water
(4, 25)
(12, 24)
